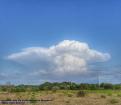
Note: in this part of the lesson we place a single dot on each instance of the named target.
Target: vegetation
(103, 96)
(65, 93)
(114, 101)
(60, 86)
(81, 93)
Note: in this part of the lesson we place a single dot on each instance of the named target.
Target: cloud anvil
(67, 57)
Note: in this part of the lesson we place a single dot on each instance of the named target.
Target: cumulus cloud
(67, 57)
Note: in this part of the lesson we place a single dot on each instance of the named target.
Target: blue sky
(43, 23)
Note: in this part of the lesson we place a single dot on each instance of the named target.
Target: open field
(67, 97)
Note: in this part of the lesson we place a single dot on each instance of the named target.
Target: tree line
(59, 86)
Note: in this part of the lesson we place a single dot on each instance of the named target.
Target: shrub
(108, 86)
(81, 94)
(55, 88)
(67, 101)
(103, 96)
(113, 101)
(70, 95)
(119, 95)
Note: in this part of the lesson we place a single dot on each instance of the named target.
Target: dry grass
(64, 98)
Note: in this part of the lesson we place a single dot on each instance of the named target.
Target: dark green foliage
(106, 86)
(59, 86)
(19, 88)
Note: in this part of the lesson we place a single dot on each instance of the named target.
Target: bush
(67, 101)
(119, 95)
(81, 94)
(70, 95)
(106, 86)
(55, 88)
(113, 101)
(103, 96)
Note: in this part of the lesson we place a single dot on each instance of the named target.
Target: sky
(60, 40)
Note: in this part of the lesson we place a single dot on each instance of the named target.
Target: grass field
(67, 97)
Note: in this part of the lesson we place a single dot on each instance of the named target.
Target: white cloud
(67, 57)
